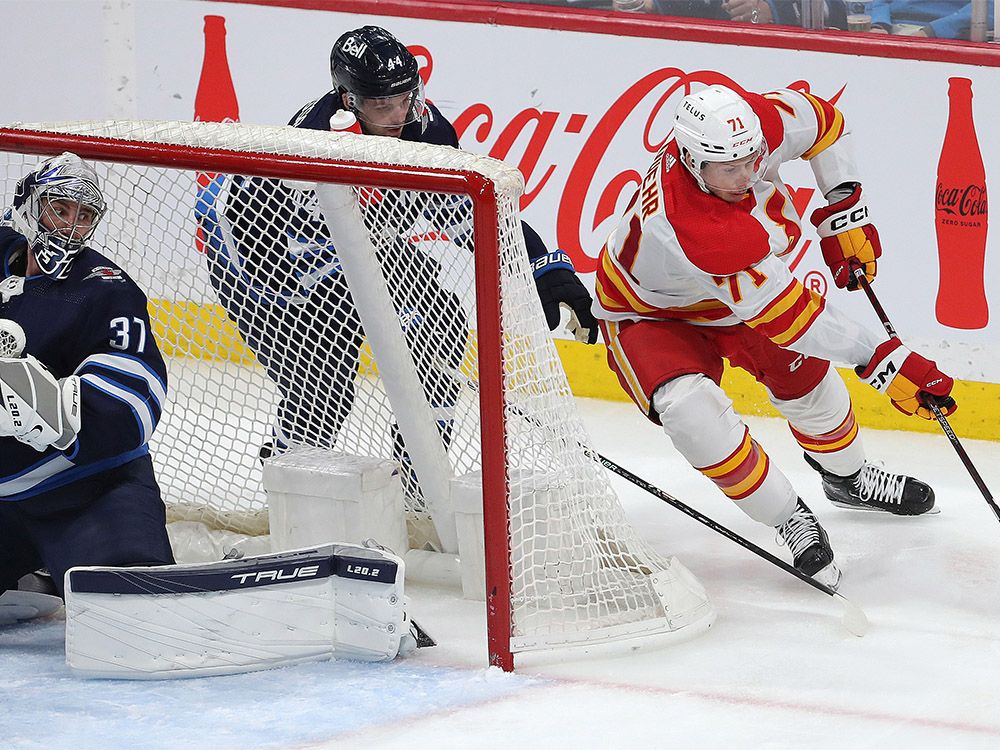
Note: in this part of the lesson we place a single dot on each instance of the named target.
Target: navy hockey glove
(558, 285)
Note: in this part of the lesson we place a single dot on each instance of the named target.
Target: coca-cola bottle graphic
(215, 101)
(961, 217)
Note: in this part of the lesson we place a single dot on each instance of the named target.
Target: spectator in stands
(944, 19)
(709, 9)
(785, 12)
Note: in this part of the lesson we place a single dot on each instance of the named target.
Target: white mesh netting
(265, 349)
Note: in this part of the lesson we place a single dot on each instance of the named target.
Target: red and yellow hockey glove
(848, 239)
(909, 380)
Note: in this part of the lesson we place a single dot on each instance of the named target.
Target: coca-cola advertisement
(961, 217)
(214, 101)
(581, 111)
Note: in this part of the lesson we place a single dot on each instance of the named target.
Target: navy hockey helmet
(378, 77)
(57, 207)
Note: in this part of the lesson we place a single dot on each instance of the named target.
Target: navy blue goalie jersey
(93, 324)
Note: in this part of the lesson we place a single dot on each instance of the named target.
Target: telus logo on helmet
(690, 108)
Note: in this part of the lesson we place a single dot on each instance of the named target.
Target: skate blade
(872, 509)
(829, 576)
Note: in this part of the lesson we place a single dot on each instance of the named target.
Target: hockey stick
(424, 639)
(859, 275)
(854, 619)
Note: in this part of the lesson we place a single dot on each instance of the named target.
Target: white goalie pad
(336, 600)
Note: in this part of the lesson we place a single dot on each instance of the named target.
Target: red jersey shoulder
(766, 110)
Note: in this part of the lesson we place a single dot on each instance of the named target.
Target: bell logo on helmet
(353, 47)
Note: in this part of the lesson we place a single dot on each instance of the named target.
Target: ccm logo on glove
(848, 239)
(857, 216)
(910, 381)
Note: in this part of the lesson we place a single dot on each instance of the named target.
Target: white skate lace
(876, 484)
(800, 531)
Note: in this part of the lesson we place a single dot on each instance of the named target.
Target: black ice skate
(809, 545)
(39, 582)
(874, 488)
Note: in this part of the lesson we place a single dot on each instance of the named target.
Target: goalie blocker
(336, 600)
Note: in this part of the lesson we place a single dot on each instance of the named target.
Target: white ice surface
(777, 670)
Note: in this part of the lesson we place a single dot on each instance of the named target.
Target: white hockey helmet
(63, 177)
(716, 124)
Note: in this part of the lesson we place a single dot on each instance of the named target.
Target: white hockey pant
(700, 420)
(822, 413)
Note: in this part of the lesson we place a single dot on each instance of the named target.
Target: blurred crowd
(970, 20)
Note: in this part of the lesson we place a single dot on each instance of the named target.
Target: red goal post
(562, 565)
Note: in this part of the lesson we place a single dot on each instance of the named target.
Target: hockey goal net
(419, 339)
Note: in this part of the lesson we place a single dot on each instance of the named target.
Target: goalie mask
(57, 208)
(718, 125)
(378, 79)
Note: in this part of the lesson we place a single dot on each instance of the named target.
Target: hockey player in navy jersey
(274, 279)
(82, 388)
(377, 78)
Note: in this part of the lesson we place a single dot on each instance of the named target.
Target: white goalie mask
(717, 125)
(57, 207)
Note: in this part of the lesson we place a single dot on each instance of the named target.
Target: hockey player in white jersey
(696, 272)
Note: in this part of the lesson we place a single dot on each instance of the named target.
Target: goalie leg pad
(232, 616)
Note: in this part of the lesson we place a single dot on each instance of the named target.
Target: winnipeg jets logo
(105, 272)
